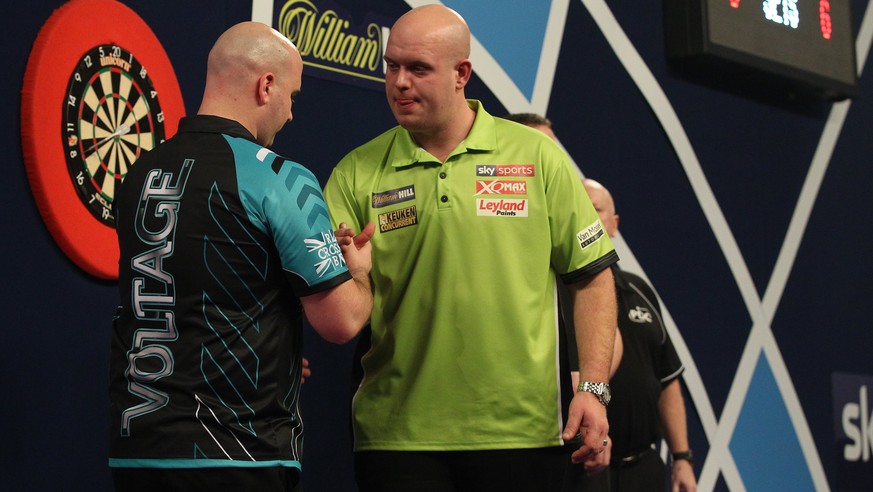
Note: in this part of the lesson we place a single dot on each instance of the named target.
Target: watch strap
(601, 390)
(683, 455)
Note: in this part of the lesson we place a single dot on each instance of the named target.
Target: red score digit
(824, 16)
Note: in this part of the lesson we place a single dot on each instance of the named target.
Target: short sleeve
(284, 200)
(580, 245)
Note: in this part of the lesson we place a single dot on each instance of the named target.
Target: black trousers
(648, 474)
(528, 470)
(272, 479)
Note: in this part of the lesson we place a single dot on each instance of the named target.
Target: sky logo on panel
(853, 430)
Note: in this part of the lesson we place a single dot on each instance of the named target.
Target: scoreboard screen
(810, 42)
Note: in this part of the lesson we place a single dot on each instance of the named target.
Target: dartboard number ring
(111, 116)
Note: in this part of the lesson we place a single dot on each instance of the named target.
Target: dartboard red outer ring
(71, 31)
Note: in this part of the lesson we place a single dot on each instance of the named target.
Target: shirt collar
(203, 123)
(481, 138)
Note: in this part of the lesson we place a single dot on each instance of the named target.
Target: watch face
(111, 116)
(600, 389)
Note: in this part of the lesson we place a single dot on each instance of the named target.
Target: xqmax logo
(506, 170)
(498, 187)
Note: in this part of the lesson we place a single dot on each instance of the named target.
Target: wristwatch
(683, 455)
(599, 389)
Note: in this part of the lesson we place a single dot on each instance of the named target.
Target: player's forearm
(594, 314)
(362, 299)
(671, 405)
(338, 314)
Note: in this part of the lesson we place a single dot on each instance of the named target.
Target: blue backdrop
(748, 210)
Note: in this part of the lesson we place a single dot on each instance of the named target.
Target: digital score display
(810, 42)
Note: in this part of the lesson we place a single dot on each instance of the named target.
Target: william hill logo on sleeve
(590, 235)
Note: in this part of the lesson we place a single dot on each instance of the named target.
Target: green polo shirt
(464, 346)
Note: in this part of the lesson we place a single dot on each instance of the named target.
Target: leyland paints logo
(334, 46)
(853, 430)
(501, 208)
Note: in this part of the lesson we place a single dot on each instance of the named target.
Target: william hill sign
(332, 46)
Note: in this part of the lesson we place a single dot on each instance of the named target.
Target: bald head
(251, 70)
(247, 49)
(437, 25)
(602, 201)
(535, 121)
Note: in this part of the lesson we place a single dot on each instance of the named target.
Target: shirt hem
(417, 446)
(199, 463)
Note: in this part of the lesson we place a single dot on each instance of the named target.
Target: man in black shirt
(225, 246)
(647, 402)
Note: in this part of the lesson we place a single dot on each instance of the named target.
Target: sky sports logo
(499, 187)
(506, 170)
(853, 430)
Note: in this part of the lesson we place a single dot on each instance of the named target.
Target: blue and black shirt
(219, 238)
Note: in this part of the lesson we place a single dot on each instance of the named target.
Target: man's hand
(587, 412)
(337, 314)
(600, 461)
(346, 236)
(358, 258)
(682, 477)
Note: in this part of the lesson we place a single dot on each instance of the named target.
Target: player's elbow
(340, 323)
(339, 333)
(339, 314)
